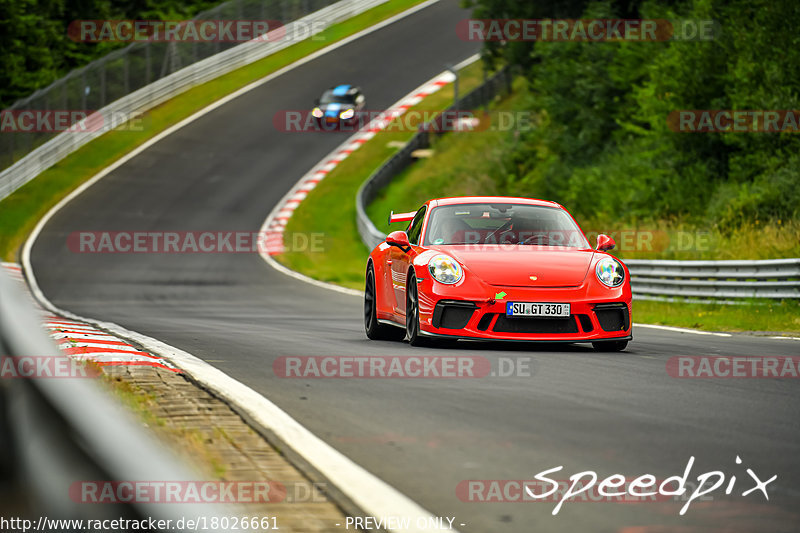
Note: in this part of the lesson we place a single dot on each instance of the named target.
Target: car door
(400, 261)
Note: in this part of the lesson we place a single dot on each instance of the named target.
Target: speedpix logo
(588, 486)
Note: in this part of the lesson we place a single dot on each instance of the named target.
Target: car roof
(456, 200)
(343, 90)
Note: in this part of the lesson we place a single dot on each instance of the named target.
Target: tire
(610, 346)
(412, 313)
(374, 329)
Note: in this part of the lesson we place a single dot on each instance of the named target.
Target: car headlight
(445, 269)
(316, 112)
(610, 272)
(347, 113)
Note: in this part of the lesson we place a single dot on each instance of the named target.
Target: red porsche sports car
(496, 268)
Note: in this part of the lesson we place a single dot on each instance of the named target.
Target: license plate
(544, 309)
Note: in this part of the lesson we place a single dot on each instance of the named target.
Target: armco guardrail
(169, 86)
(379, 179)
(55, 432)
(774, 278)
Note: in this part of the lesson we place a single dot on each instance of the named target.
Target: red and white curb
(82, 341)
(285, 209)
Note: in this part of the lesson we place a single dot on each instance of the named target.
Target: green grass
(20, 211)
(777, 317)
(186, 441)
(330, 207)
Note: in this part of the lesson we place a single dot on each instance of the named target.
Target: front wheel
(374, 329)
(610, 346)
(412, 313)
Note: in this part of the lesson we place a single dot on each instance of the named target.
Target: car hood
(333, 109)
(514, 266)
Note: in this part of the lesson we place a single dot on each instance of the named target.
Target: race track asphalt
(610, 413)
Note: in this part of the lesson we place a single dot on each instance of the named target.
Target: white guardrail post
(772, 278)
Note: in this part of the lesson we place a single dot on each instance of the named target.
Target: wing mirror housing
(400, 239)
(605, 243)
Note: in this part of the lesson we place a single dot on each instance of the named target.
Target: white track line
(682, 330)
(715, 333)
(372, 495)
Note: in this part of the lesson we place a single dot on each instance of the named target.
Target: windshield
(329, 98)
(518, 224)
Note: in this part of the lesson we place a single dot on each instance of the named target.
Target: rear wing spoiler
(401, 217)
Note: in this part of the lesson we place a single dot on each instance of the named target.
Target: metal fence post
(126, 74)
(148, 68)
(102, 84)
(84, 89)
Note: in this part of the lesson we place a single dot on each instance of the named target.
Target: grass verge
(22, 209)
(775, 317)
(188, 441)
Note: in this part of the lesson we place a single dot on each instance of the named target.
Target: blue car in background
(340, 104)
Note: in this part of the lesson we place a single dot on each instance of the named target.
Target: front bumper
(597, 313)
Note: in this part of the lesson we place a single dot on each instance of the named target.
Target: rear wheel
(374, 329)
(610, 346)
(412, 313)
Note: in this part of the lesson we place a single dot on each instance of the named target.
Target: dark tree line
(604, 146)
(35, 49)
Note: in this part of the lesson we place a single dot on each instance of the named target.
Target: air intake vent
(535, 325)
(452, 314)
(613, 317)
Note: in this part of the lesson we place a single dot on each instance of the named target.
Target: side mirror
(605, 243)
(399, 239)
